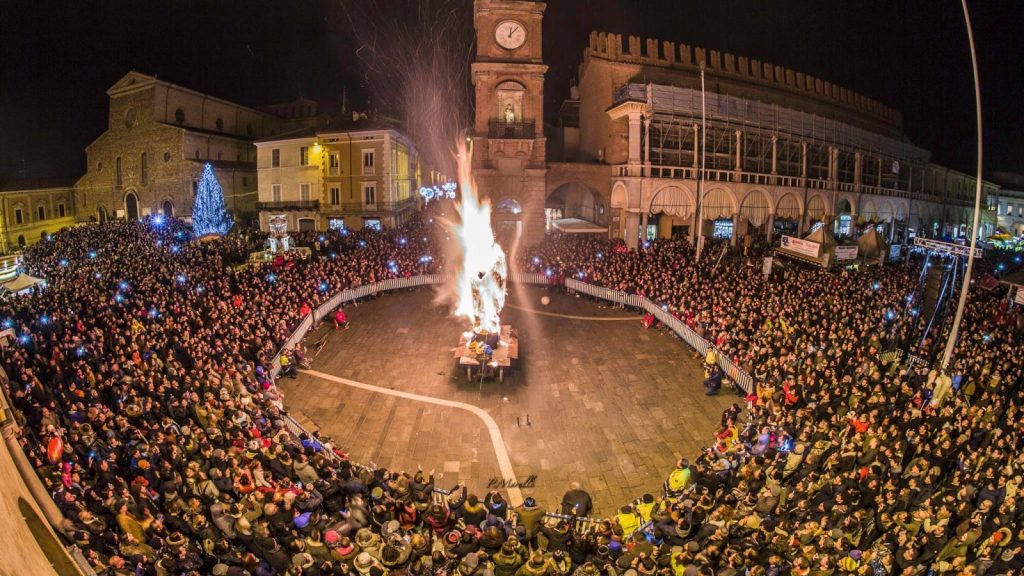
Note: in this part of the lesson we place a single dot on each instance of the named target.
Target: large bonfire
(480, 281)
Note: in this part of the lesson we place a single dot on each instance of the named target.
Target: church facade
(158, 139)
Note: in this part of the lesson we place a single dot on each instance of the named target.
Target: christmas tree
(209, 213)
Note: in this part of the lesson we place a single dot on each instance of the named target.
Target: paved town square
(594, 389)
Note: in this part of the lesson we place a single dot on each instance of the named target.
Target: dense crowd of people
(141, 376)
(843, 463)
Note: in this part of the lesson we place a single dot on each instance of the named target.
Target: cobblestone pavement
(606, 403)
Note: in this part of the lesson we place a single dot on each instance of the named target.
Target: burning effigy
(480, 281)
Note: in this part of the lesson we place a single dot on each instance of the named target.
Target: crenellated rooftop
(671, 55)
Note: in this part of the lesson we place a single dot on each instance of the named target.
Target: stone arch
(672, 199)
(619, 195)
(817, 207)
(508, 205)
(868, 211)
(574, 199)
(167, 208)
(719, 203)
(131, 205)
(510, 97)
(755, 207)
(844, 206)
(788, 207)
(884, 211)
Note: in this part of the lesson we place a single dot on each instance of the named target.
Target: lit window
(367, 161)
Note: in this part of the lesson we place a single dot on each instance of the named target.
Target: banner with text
(846, 253)
(801, 246)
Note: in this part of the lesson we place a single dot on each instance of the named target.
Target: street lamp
(700, 169)
(951, 342)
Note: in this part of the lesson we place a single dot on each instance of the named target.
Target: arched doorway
(508, 223)
(844, 218)
(754, 210)
(816, 211)
(787, 215)
(719, 207)
(670, 212)
(131, 206)
(571, 200)
(102, 213)
(168, 209)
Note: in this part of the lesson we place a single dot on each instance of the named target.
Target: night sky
(57, 59)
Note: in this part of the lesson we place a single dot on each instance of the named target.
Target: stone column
(858, 169)
(770, 228)
(803, 162)
(696, 145)
(833, 153)
(775, 156)
(647, 145)
(635, 124)
(739, 152)
(632, 223)
(736, 218)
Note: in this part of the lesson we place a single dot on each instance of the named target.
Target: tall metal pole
(700, 170)
(951, 342)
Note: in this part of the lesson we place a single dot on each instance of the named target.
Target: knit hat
(302, 560)
(220, 569)
(452, 537)
(363, 562)
(331, 537)
(365, 538)
(302, 520)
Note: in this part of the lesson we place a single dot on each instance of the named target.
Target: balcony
(501, 130)
(289, 205)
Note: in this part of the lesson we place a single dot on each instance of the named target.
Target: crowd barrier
(349, 295)
(696, 341)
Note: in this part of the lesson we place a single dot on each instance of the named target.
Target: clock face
(510, 34)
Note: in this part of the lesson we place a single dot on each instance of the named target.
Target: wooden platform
(503, 355)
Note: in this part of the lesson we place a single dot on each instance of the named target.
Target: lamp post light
(700, 169)
(951, 342)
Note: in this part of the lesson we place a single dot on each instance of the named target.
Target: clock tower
(508, 133)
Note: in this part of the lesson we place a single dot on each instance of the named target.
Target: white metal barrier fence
(696, 341)
(347, 296)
